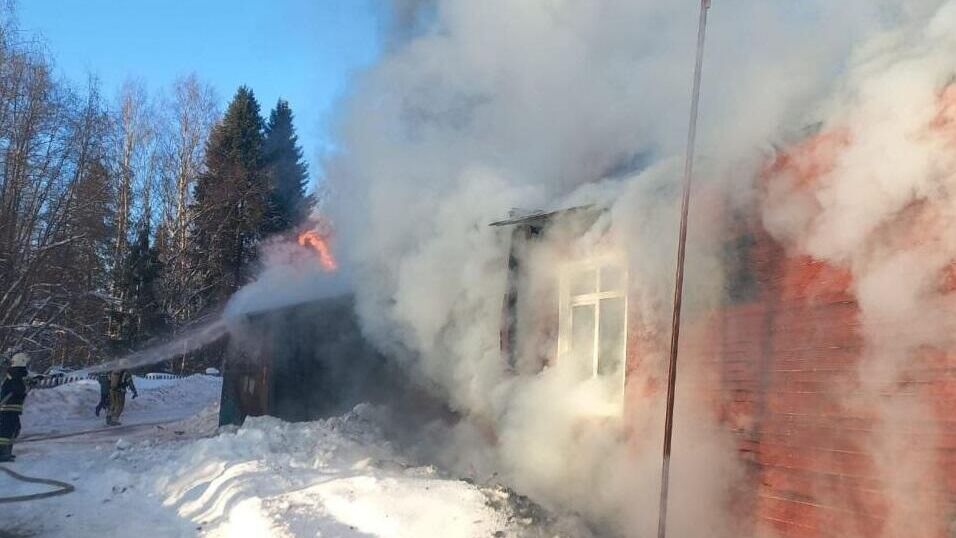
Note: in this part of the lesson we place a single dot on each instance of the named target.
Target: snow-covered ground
(169, 471)
(69, 408)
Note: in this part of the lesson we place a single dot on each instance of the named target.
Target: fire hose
(62, 487)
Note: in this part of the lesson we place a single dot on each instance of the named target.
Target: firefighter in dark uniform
(104, 381)
(12, 393)
(120, 382)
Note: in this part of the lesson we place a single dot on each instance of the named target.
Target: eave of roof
(541, 217)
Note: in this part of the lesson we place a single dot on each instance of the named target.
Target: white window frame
(568, 301)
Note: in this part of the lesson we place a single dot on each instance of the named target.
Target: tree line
(122, 220)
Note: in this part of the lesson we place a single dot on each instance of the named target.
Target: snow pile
(70, 400)
(336, 477)
(78, 398)
(70, 406)
(199, 389)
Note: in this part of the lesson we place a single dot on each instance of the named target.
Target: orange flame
(320, 245)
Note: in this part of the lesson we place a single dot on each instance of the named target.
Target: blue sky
(301, 50)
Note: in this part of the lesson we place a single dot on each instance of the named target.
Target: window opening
(593, 323)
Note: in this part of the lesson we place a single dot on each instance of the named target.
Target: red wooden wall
(784, 371)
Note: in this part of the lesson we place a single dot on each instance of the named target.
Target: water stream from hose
(187, 342)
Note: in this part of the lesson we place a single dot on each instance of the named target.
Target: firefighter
(104, 381)
(120, 382)
(12, 393)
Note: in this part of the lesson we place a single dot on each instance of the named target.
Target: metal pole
(679, 277)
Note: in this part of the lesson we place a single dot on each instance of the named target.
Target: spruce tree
(146, 269)
(231, 199)
(288, 175)
(140, 316)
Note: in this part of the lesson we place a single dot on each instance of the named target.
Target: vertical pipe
(679, 277)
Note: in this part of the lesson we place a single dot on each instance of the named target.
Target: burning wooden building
(784, 357)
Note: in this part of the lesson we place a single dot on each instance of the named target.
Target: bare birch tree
(136, 162)
(191, 113)
(50, 137)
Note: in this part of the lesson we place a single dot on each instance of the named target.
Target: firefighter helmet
(20, 359)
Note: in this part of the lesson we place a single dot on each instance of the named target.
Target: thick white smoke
(485, 106)
(291, 274)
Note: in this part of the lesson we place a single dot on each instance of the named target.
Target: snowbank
(336, 477)
(71, 406)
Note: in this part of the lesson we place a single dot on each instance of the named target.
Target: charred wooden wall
(302, 363)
